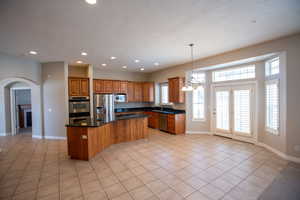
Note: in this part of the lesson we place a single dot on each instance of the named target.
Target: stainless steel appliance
(120, 98)
(79, 105)
(104, 107)
(79, 109)
(163, 122)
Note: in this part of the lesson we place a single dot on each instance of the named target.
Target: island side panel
(77, 143)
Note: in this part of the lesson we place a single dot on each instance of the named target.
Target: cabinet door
(123, 87)
(148, 92)
(138, 92)
(116, 86)
(74, 87)
(130, 92)
(98, 86)
(108, 86)
(176, 95)
(84, 87)
(171, 123)
(171, 90)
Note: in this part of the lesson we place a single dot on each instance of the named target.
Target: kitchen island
(87, 139)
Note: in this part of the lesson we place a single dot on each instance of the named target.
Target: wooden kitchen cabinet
(130, 91)
(138, 92)
(108, 86)
(148, 92)
(123, 87)
(176, 95)
(116, 86)
(153, 119)
(78, 86)
(176, 123)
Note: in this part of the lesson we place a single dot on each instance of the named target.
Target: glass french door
(233, 112)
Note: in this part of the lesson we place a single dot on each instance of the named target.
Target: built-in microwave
(120, 98)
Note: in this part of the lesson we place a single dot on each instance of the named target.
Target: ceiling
(148, 30)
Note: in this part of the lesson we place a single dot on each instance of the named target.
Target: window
(164, 93)
(272, 67)
(245, 72)
(272, 106)
(198, 96)
(198, 103)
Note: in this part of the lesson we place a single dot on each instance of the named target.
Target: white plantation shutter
(242, 112)
(198, 103)
(222, 109)
(272, 107)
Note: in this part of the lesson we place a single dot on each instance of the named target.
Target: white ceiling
(148, 30)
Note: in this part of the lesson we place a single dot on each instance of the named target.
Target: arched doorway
(5, 109)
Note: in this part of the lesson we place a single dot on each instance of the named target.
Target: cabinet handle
(84, 137)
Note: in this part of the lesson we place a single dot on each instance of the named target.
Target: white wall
(11, 66)
(119, 75)
(54, 107)
(290, 45)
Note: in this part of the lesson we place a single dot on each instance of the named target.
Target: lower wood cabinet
(176, 123)
(85, 142)
(153, 119)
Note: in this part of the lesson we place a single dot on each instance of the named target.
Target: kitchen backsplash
(132, 105)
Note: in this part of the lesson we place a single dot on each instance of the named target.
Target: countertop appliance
(104, 107)
(120, 98)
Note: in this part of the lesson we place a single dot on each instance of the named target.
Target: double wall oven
(79, 109)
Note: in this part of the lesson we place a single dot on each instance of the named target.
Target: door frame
(13, 110)
(254, 117)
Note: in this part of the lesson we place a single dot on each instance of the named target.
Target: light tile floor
(166, 167)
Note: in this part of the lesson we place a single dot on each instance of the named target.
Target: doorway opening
(21, 111)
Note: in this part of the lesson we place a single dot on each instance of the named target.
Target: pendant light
(188, 84)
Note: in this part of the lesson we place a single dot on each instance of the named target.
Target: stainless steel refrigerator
(104, 107)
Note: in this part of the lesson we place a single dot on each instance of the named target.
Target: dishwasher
(163, 122)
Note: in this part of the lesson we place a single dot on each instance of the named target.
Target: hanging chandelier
(191, 82)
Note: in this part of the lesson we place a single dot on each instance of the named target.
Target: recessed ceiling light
(79, 62)
(32, 52)
(113, 57)
(92, 2)
(156, 63)
(103, 64)
(124, 67)
(136, 61)
(84, 53)
(142, 69)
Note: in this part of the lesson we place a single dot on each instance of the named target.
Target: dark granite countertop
(96, 123)
(153, 109)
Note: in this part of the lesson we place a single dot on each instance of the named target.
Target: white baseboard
(198, 132)
(55, 137)
(50, 137)
(37, 136)
(279, 153)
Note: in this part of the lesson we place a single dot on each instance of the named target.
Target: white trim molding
(279, 153)
(199, 132)
(49, 137)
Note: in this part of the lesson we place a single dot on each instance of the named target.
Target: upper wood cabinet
(148, 92)
(130, 92)
(116, 86)
(176, 95)
(138, 92)
(78, 86)
(123, 87)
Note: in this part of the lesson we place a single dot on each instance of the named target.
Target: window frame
(204, 107)
(231, 68)
(269, 129)
(160, 92)
(267, 67)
